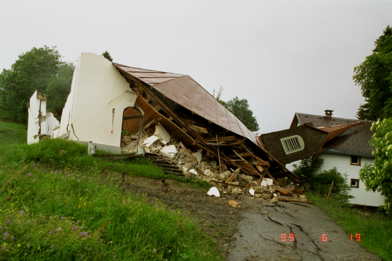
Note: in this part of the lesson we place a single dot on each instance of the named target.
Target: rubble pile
(195, 164)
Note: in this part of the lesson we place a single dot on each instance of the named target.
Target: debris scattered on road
(234, 204)
(213, 192)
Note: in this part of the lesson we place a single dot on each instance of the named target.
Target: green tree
(379, 175)
(374, 76)
(32, 71)
(106, 54)
(240, 108)
(59, 88)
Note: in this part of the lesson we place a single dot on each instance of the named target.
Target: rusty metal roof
(355, 139)
(186, 92)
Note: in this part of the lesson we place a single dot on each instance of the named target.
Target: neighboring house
(342, 143)
(348, 152)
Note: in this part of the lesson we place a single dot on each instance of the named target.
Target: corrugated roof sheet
(186, 92)
(355, 140)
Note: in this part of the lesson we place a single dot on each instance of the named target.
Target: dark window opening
(176, 123)
(190, 135)
(355, 160)
(164, 114)
(354, 183)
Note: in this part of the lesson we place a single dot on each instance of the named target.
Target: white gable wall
(97, 88)
(342, 164)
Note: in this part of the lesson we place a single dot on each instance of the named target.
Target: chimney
(328, 113)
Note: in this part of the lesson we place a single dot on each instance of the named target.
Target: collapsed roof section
(185, 91)
(196, 118)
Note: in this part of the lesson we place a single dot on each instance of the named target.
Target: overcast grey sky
(283, 56)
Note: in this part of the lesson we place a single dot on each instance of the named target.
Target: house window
(355, 160)
(292, 144)
(354, 183)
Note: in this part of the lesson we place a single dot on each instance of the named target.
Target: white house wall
(33, 121)
(97, 88)
(342, 164)
(66, 113)
(51, 123)
(37, 108)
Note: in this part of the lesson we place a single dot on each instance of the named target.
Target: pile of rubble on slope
(156, 140)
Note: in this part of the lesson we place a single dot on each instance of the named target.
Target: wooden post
(330, 190)
(220, 169)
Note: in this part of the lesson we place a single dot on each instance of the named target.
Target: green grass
(375, 228)
(12, 133)
(56, 204)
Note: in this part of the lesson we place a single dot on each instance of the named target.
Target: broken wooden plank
(294, 200)
(189, 153)
(243, 154)
(219, 155)
(150, 123)
(238, 161)
(226, 138)
(300, 191)
(198, 129)
(284, 191)
(226, 144)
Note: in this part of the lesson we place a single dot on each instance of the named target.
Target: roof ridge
(300, 113)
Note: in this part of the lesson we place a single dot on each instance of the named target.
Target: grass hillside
(58, 203)
(12, 133)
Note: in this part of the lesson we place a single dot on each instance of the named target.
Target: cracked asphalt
(263, 228)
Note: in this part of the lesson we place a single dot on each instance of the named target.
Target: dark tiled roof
(354, 141)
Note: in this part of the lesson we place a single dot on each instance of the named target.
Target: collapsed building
(133, 111)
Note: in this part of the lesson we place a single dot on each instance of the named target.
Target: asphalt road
(291, 231)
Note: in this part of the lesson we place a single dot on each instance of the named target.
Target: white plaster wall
(51, 123)
(33, 123)
(66, 113)
(97, 88)
(342, 164)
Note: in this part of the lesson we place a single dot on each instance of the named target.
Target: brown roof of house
(185, 91)
(354, 141)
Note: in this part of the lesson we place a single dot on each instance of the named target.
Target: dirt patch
(214, 216)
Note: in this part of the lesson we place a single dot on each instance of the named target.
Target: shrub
(320, 182)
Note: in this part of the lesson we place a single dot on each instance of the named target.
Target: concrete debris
(267, 182)
(149, 141)
(213, 192)
(161, 132)
(193, 171)
(169, 150)
(202, 164)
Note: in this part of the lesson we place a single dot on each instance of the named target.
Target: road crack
(318, 249)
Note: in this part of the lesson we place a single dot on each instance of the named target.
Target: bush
(320, 182)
